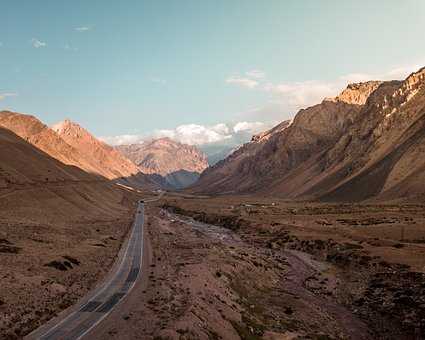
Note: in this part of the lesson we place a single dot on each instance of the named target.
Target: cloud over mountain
(287, 97)
(192, 134)
(196, 134)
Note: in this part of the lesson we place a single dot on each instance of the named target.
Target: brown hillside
(367, 142)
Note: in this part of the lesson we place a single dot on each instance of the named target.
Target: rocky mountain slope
(383, 154)
(42, 137)
(70, 144)
(179, 164)
(277, 152)
(367, 142)
(110, 162)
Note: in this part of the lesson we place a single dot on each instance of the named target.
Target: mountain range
(179, 164)
(368, 142)
(157, 164)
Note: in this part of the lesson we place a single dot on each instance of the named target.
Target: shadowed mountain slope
(367, 142)
(22, 164)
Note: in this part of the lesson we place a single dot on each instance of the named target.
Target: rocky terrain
(179, 164)
(255, 268)
(365, 143)
(60, 230)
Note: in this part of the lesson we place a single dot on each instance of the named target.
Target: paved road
(99, 303)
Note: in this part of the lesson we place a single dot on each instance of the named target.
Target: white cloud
(356, 77)
(83, 28)
(195, 134)
(401, 72)
(271, 113)
(286, 98)
(241, 81)
(293, 95)
(301, 94)
(70, 48)
(256, 74)
(158, 80)
(251, 127)
(7, 94)
(250, 80)
(221, 128)
(122, 139)
(37, 43)
(396, 73)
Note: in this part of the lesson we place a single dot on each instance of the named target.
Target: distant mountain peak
(111, 162)
(166, 157)
(67, 126)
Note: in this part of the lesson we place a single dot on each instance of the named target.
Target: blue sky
(147, 67)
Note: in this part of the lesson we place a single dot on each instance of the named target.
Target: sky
(197, 71)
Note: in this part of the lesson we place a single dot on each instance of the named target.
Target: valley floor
(220, 268)
(252, 268)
